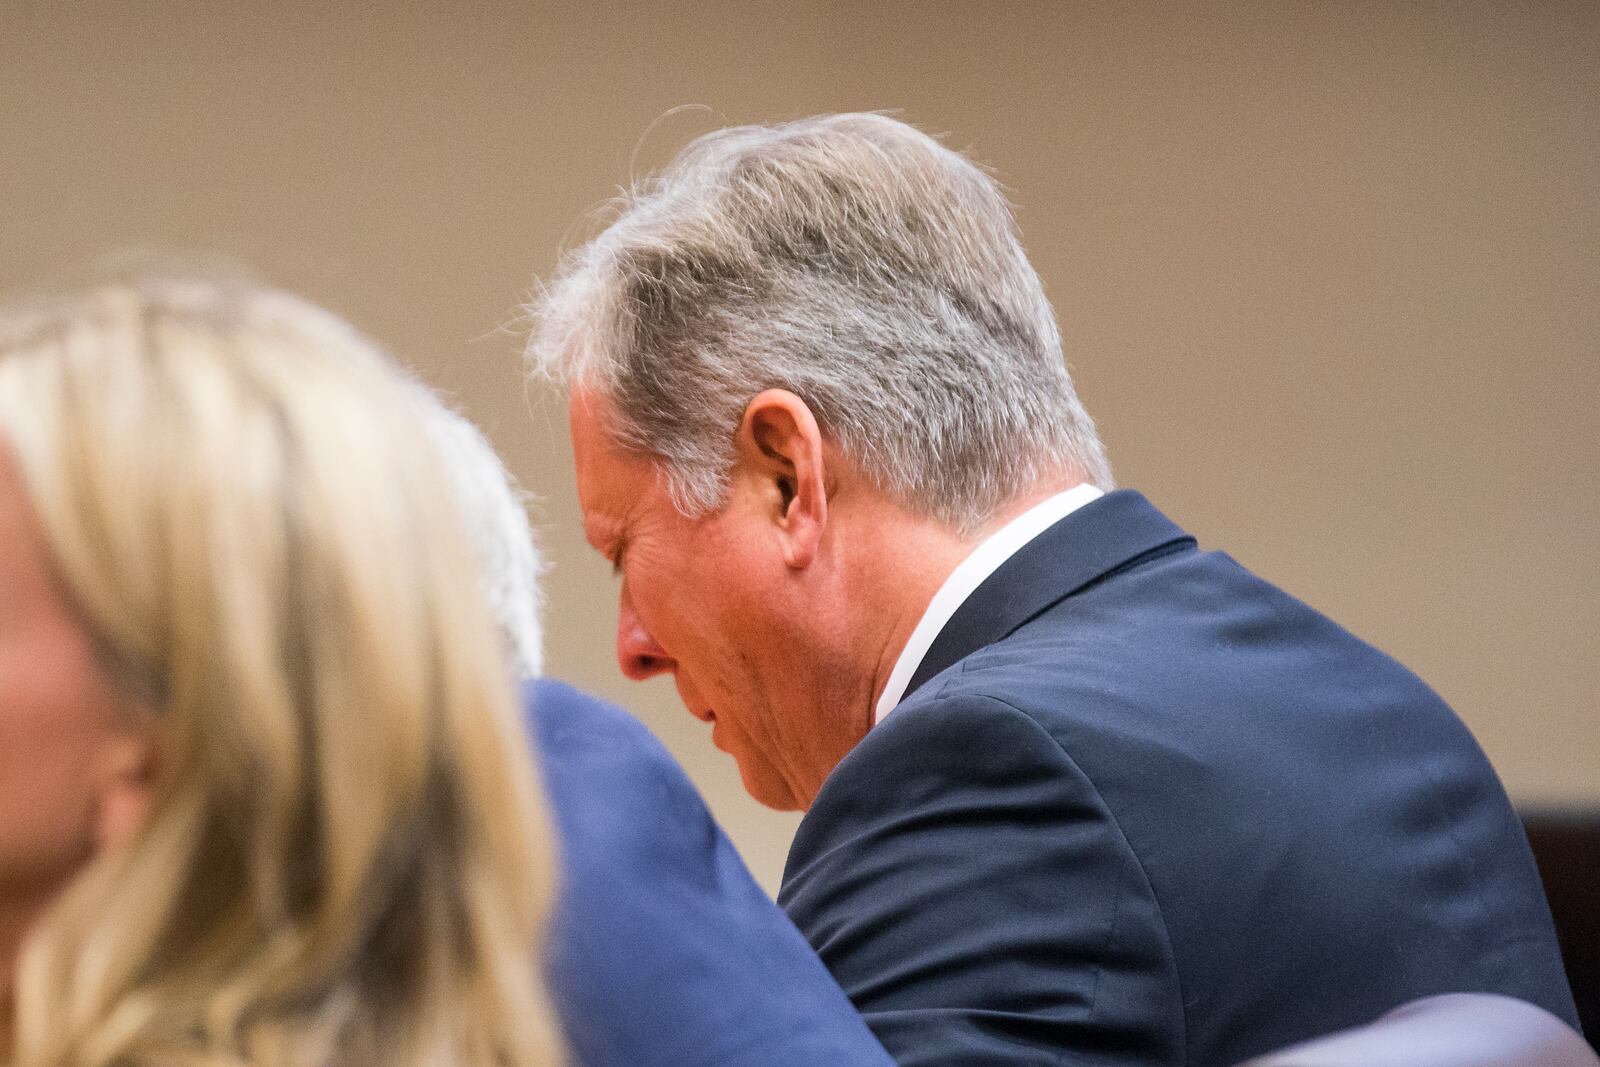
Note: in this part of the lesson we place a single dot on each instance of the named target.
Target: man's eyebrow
(608, 541)
(593, 534)
(613, 553)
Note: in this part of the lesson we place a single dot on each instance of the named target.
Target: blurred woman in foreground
(263, 795)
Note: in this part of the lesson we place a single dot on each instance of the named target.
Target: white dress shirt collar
(968, 575)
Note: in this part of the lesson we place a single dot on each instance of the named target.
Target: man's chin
(767, 788)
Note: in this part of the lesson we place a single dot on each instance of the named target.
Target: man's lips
(706, 715)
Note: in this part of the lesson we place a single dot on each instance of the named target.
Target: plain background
(1327, 272)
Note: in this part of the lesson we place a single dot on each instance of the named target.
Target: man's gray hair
(493, 510)
(852, 260)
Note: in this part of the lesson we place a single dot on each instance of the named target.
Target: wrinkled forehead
(598, 461)
(588, 418)
(596, 426)
(589, 414)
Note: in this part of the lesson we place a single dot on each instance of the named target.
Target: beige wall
(1328, 273)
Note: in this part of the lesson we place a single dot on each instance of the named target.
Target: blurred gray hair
(493, 510)
(852, 260)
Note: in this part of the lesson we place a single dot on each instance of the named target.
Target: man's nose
(637, 652)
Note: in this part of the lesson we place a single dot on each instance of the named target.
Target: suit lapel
(1087, 545)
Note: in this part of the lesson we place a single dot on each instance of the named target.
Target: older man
(663, 950)
(1076, 791)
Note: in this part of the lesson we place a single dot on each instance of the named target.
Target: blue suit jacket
(663, 950)
(1141, 807)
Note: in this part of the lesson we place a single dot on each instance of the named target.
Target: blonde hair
(346, 859)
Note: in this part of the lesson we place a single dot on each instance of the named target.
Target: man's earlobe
(781, 447)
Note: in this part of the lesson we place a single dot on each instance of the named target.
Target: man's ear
(126, 782)
(781, 454)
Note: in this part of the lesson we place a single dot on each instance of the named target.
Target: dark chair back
(1566, 844)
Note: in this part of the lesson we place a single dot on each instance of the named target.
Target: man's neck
(925, 553)
(925, 559)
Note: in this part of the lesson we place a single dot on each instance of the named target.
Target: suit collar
(1086, 546)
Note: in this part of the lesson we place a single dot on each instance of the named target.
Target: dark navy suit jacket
(663, 950)
(1141, 807)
